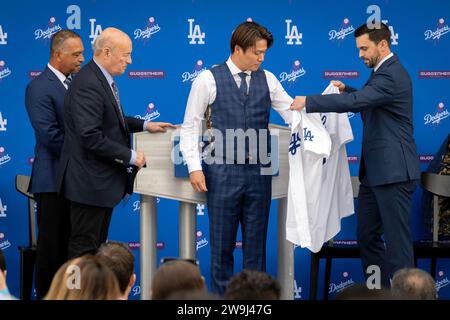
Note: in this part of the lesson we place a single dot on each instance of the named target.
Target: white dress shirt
(382, 61)
(203, 93)
(58, 74)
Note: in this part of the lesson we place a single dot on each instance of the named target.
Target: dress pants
(53, 218)
(90, 226)
(237, 193)
(386, 210)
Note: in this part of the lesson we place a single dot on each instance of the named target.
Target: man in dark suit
(389, 167)
(96, 152)
(44, 100)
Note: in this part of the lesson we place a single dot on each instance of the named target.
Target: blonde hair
(84, 278)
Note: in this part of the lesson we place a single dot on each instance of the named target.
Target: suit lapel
(109, 93)
(54, 79)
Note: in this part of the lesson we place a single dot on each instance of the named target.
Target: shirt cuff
(144, 128)
(133, 157)
(194, 167)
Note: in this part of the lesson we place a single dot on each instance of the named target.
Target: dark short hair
(252, 285)
(376, 34)
(59, 38)
(246, 35)
(118, 257)
(2, 262)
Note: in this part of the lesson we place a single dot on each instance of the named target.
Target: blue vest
(234, 110)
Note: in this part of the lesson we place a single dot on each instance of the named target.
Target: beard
(373, 61)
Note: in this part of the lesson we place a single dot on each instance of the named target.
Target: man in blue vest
(237, 96)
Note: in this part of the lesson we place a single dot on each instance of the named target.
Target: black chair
(28, 253)
(329, 251)
(439, 186)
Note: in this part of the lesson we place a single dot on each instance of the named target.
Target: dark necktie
(243, 88)
(68, 81)
(116, 95)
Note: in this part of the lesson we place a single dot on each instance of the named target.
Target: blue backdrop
(173, 41)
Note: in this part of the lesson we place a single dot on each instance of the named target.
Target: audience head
(413, 284)
(176, 275)
(252, 285)
(359, 291)
(118, 257)
(84, 278)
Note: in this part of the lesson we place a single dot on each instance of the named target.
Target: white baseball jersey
(336, 197)
(320, 190)
(310, 143)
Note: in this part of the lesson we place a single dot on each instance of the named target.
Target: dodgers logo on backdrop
(150, 114)
(3, 209)
(4, 157)
(436, 34)
(4, 70)
(191, 76)
(3, 36)
(3, 122)
(440, 114)
(345, 29)
(292, 33)
(297, 290)
(48, 31)
(297, 71)
(201, 240)
(137, 204)
(151, 28)
(441, 281)
(394, 35)
(200, 208)
(95, 30)
(345, 282)
(4, 243)
(195, 33)
(136, 290)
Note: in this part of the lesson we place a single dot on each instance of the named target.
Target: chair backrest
(22, 183)
(355, 186)
(438, 185)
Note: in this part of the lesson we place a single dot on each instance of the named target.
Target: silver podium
(158, 180)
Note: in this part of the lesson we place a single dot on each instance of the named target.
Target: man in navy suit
(96, 158)
(389, 167)
(44, 100)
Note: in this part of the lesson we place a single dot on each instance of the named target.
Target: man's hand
(140, 159)
(198, 181)
(158, 126)
(299, 103)
(339, 84)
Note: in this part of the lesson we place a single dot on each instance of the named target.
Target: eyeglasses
(169, 259)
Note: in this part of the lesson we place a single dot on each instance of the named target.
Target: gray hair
(99, 43)
(413, 284)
